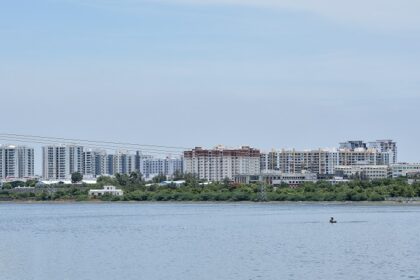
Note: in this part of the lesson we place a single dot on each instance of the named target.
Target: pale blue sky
(270, 74)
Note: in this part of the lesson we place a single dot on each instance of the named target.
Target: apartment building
(277, 178)
(123, 162)
(364, 172)
(16, 162)
(102, 163)
(324, 161)
(386, 146)
(320, 161)
(150, 166)
(220, 163)
(402, 169)
(60, 161)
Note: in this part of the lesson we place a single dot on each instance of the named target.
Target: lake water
(208, 241)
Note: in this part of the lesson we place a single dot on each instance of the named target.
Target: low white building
(337, 180)
(175, 183)
(277, 178)
(413, 177)
(65, 182)
(369, 172)
(401, 169)
(107, 190)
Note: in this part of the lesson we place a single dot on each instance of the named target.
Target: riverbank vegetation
(193, 190)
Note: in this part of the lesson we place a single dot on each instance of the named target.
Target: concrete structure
(386, 146)
(89, 163)
(321, 161)
(353, 144)
(16, 162)
(43, 183)
(381, 146)
(401, 169)
(220, 163)
(123, 162)
(178, 183)
(101, 163)
(413, 177)
(337, 180)
(107, 190)
(364, 172)
(60, 161)
(150, 166)
(277, 178)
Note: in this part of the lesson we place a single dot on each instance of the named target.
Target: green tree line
(135, 189)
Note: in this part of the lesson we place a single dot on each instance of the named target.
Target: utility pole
(262, 194)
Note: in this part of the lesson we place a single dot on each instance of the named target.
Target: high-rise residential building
(102, 163)
(220, 163)
(123, 162)
(149, 166)
(353, 144)
(89, 163)
(173, 165)
(110, 164)
(386, 146)
(16, 162)
(60, 161)
(322, 161)
(95, 163)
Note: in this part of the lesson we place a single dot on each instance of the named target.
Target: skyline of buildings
(369, 160)
(59, 161)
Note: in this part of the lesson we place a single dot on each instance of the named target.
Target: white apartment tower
(220, 163)
(60, 161)
(150, 166)
(16, 162)
(386, 146)
(123, 162)
(89, 163)
(101, 163)
(324, 161)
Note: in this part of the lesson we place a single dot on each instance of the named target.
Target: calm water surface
(208, 241)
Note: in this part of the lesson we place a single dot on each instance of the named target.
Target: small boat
(332, 221)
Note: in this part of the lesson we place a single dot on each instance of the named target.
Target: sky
(269, 74)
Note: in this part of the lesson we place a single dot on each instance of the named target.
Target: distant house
(176, 183)
(110, 190)
(413, 177)
(43, 183)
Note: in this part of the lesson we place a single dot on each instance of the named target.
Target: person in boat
(332, 221)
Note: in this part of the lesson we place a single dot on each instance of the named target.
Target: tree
(136, 177)
(178, 175)
(31, 183)
(191, 180)
(106, 180)
(122, 179)
(226, 182)
(159, 178)
(16, 184)
(76, 177)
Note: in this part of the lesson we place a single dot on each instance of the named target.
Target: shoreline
(325, 203)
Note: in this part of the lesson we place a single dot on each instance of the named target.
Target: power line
(50, 142)
(92, 141)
